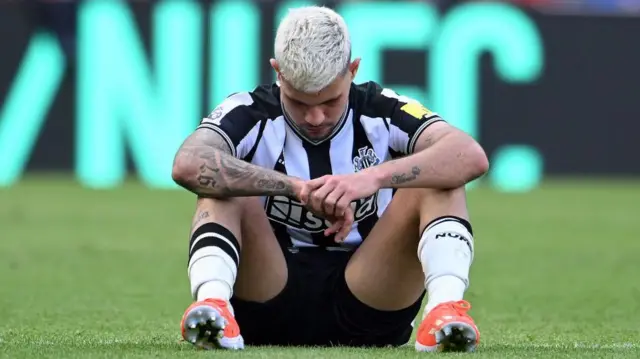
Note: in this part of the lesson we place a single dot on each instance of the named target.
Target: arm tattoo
(216, 173)
(399, 178)
(204, 179)
(199, 218)
(429, 140)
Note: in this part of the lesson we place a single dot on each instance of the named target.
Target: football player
(327, 209)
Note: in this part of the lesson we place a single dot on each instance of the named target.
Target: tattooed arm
(204, 165)
(444, 157)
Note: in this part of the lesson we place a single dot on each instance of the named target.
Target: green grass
(87, 274)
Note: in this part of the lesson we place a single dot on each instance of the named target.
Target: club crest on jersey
(284, 210)
(366, 158)
(215, 115)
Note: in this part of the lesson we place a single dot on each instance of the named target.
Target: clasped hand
(330, 197)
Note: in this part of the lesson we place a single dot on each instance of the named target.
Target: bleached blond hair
(312, 48)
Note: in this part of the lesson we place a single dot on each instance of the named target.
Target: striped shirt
(378, 125)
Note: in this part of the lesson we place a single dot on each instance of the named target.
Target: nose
(314, 116)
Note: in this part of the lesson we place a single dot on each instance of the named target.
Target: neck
(297, 129)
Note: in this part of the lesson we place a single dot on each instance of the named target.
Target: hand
(332, 195)
(341, 226)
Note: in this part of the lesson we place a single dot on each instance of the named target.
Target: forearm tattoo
(220, 174)
(399, 178)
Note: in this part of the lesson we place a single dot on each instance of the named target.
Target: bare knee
(432, 203)
(419, 196)
(221, 203)
(226, 212)
(229, 207)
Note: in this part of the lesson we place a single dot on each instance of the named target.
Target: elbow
(182, 171)
(478, 161)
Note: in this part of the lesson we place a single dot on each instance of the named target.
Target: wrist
(378, 175)
(296, 187)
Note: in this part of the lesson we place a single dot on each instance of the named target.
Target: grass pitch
(102, 274)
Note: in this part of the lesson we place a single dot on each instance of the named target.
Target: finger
(304, 193)
(335, 226)
(316, 198)
(310, 186)
(345, 229)
(331, 201)
(343, 204)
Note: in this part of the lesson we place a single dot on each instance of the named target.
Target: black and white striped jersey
(377, 126)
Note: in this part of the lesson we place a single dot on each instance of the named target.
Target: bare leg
(393, 242)
(423, 240)
(232, 249)
(262, 271)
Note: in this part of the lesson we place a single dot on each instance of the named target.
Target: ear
(354, 66)
(275, 65)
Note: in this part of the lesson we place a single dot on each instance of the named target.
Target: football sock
(446, 253)
(214, 256)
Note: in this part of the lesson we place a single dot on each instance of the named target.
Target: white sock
(220, 288)
(446, 253)
(214, 255)
(444, 289)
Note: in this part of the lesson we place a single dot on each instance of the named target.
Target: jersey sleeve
(407, 119)
(237, 119)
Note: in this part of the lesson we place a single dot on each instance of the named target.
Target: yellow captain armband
(416, 110)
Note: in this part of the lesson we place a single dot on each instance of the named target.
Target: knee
(428, 203)
(226, 209)
(229, 204)
(420, 196)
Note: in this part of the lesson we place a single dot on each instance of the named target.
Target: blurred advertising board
(115, 87)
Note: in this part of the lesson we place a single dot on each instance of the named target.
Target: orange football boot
(209, 324)
(448, 328)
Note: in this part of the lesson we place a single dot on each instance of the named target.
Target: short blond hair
(312, 48)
